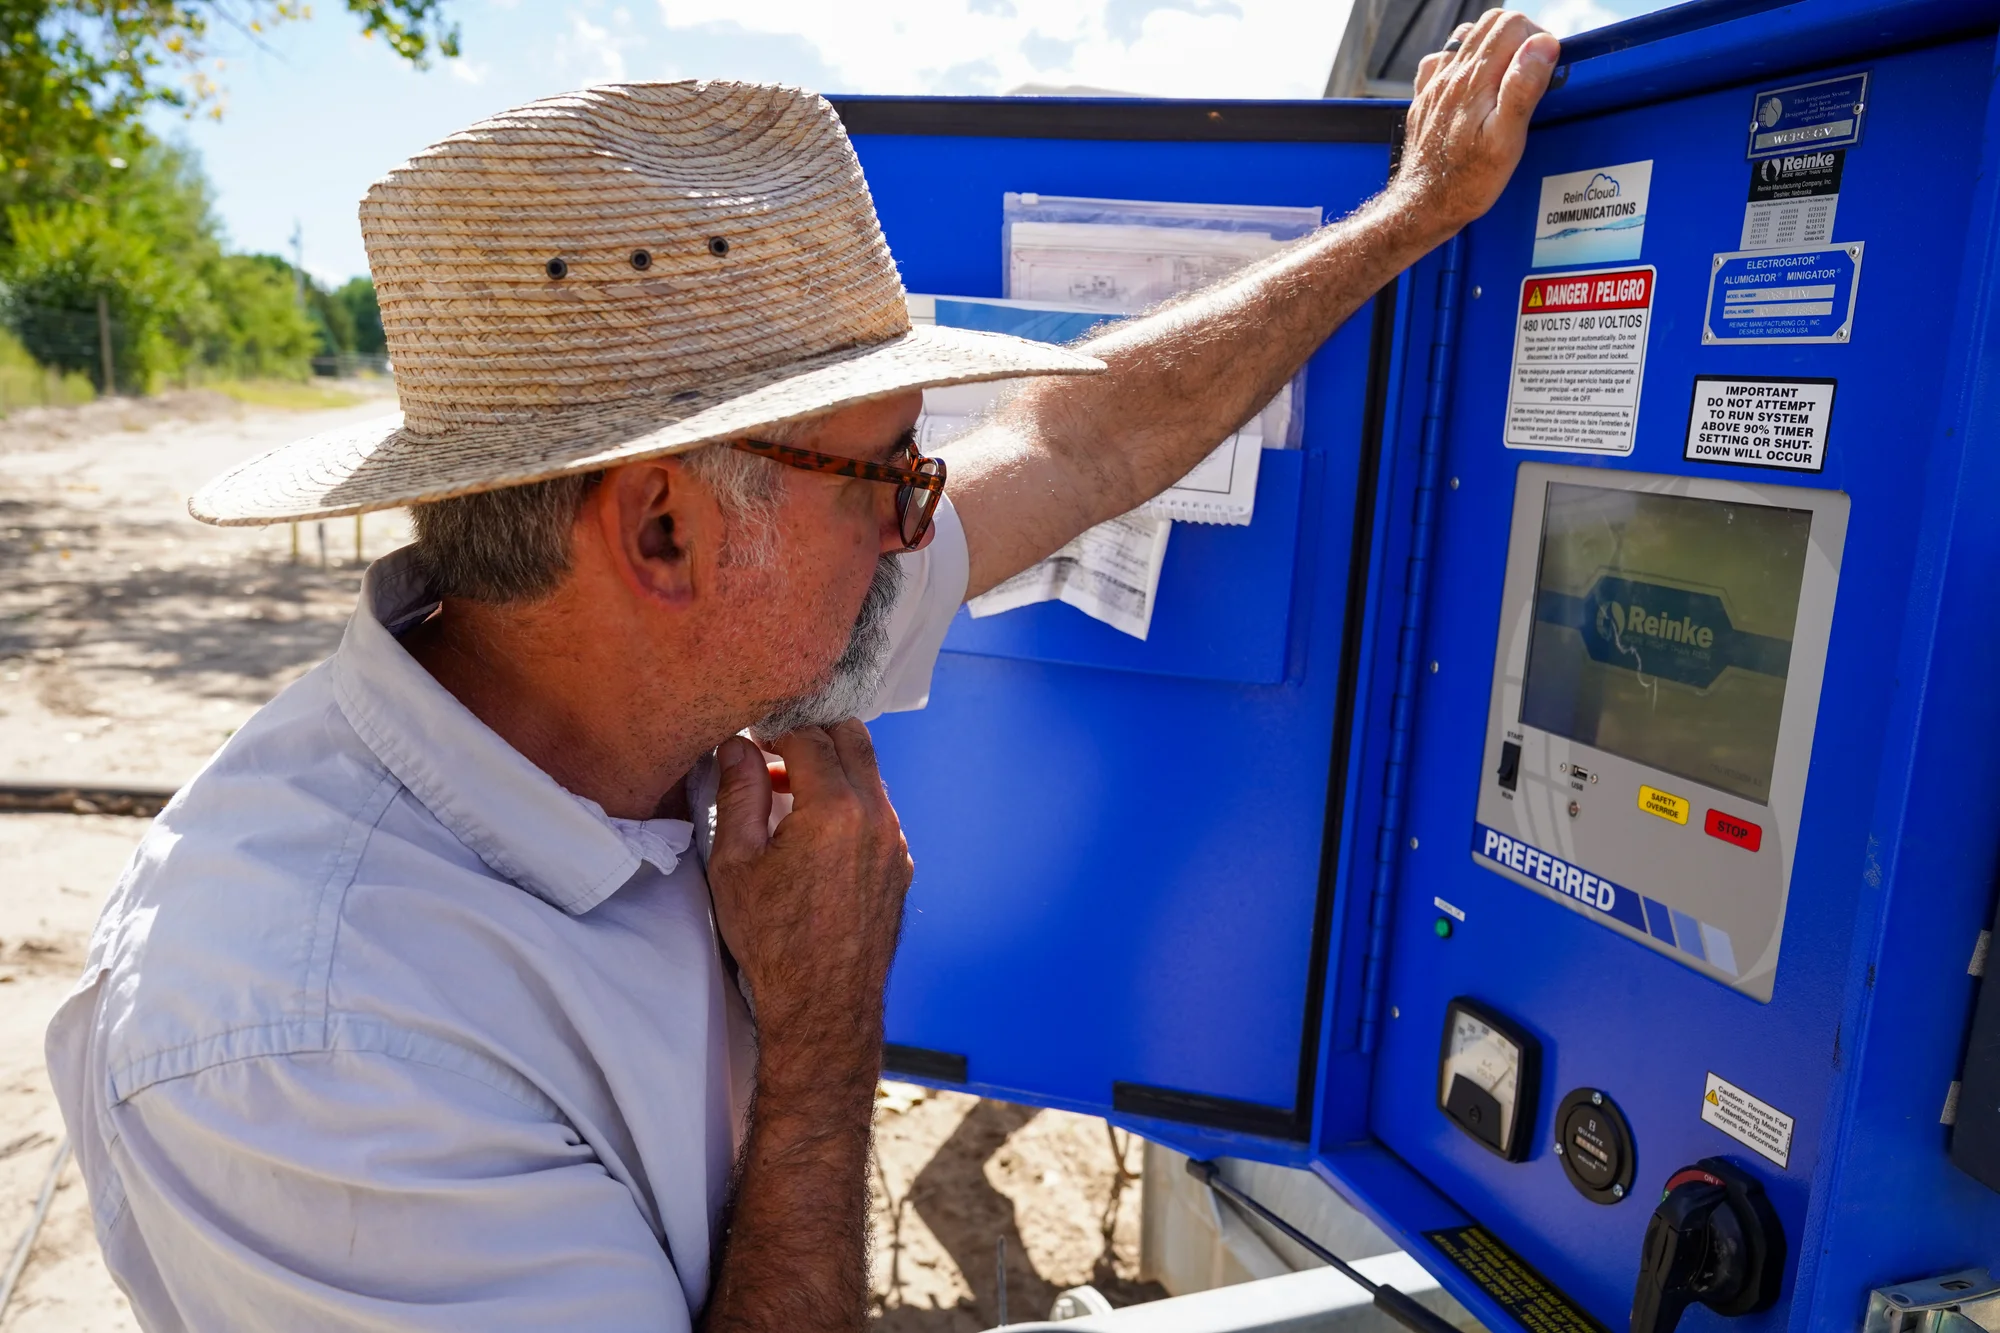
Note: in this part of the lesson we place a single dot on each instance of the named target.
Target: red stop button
(1729, 828)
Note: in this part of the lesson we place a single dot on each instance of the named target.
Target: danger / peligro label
(1579, 361)
(1758, 1126)
(1765, 422)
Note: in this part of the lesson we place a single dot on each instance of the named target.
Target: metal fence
(351, 365)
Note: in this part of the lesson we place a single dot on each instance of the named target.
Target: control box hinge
(1409, 636)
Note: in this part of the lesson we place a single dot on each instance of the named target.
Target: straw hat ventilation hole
(642, 260)
(718, 246)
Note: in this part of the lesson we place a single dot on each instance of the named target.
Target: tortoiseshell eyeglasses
(919, 481)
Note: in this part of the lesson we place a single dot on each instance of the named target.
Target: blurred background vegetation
(110, 248)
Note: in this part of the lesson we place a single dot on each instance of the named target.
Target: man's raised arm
(1071, 452)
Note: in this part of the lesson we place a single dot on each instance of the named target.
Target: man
(428, 1003)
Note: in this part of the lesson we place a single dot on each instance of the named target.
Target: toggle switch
(1715, 1240)
(1510, 765)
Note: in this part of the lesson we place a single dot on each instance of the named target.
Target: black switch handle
(1678, 1241)
(1713, 1239)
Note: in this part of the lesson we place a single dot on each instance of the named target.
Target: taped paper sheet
(1123, 256)
(1110, 573)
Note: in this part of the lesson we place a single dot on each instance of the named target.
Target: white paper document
(1110, 573)
(1221, 489)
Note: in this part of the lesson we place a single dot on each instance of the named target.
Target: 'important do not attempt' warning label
(1779, 423)
(1579, 361)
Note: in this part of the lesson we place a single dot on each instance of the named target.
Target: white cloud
(1567, 17)
(473, 72)
(591, 52)
(1169, 48)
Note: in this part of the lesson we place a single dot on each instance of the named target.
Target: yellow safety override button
(1664, 804)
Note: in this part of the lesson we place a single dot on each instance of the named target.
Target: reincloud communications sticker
(1593, 217)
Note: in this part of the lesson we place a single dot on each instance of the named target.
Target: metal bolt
(1394, 1012)
(1597, 1099)
(1413, 844)
(1434, 668)
(1617, 1191)
(1454, 483)
(1559, 1150)
(1476, 290)
(1574, 809)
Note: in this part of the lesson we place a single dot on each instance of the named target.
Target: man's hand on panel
(1468, 121)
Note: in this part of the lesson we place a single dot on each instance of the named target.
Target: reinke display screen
(1663, 630)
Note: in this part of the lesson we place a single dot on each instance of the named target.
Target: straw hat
(615, 274)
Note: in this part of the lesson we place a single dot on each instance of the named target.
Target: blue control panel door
(1122, 899)
(1594, 362)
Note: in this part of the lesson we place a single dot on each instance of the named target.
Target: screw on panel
(1574, 809)
(1453, 483)
(1559, 1149)
(1394, 1012)
(1597, 1099)
(1413, 844)
(1434, 668)
(1617, 1191)
(1476, 292)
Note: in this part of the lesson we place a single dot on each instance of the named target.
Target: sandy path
(133, 640)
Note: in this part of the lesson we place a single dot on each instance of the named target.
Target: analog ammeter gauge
(1487, 1073)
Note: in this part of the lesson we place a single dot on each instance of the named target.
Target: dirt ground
(133, 640)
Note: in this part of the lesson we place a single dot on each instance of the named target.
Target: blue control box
(1565, 817)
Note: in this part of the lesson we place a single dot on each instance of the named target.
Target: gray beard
(857, 677)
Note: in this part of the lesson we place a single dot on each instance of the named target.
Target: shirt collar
(559, 846)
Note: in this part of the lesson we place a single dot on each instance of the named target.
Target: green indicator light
(1442, 927)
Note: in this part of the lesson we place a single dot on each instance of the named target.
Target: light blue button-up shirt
(383, 1029)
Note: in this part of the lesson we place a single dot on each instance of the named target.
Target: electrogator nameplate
(1655, 691)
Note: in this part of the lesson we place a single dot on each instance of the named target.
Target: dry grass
(289, 395)
(25, 382)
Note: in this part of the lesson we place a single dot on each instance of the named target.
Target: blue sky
(318, 112)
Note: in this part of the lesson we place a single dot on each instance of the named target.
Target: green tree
(150, 245)
(74, 74)
(65, 258)
(358, 295)
(261, 330)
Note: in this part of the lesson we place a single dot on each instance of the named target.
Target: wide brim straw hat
(617, 274)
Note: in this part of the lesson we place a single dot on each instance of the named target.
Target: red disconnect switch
(1729, 828)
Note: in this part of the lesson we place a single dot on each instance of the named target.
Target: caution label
(1579, 361)
(1758, 1126)
(1535, 1304)
(1780, 423)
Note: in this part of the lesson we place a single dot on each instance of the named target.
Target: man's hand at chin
(811, 911)
(1468, 121)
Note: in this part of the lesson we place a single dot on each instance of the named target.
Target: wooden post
(357, 539)
(104, 343)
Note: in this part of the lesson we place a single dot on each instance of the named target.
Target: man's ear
(653, 526)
